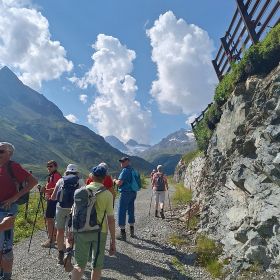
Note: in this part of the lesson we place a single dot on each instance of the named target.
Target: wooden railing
(252, 19)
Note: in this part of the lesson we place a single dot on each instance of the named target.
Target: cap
(103, 164)
(8, 145)
(123, 159)
(98, 171)
(72, 168)
(159, 167)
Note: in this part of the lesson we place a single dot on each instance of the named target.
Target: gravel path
(146, 257)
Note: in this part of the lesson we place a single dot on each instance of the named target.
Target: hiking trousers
(126, 205)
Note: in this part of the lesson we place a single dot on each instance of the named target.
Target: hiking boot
(122, 235)
(132, 232)
(48, 244)
(162, 214)
(67, 262)
(156, 214)
(60, 257)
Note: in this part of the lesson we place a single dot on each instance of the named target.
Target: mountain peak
(8, 75)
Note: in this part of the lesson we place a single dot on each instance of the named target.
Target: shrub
(177, 240)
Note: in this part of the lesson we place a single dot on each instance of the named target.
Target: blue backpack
(65, 194)
(135, 180)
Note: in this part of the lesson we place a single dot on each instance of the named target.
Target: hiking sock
(132, 231)
(156, 214)
(60, 257)
(162, 214)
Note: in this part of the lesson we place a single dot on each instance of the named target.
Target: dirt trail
(146, 257)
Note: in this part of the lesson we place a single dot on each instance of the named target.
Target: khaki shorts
(159, 196)
(61, 217)
(83, 242)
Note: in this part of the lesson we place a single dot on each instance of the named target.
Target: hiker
(159, 186)
(108, 181)
(48, 189)
(12, 177)
(93, 233)
(64, 195)
(152, 174)
(127, 198)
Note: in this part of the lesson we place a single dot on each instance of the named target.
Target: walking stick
(169, 203)
(34, 223)
(151, 203)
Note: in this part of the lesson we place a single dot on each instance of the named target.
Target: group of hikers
(78, 214)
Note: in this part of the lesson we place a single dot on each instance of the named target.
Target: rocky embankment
(237, 183)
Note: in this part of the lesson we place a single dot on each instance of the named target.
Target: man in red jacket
(9, 194)
(53, 177)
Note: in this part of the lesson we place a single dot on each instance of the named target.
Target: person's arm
(30, 183)
(166, 183)
(54, 194)
(118, 182)
(112, 230)
(7, 223)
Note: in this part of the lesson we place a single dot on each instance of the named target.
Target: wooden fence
(250, 23)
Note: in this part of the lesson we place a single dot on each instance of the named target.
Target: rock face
(238, 182)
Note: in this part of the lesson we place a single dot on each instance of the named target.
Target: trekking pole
(34, 223)
(169, 203)
(151, 203)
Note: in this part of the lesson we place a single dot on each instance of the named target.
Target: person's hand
(112, 250)
(6, 204)
(42, 189)
(70, 237)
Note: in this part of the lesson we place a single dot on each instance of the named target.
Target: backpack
(159, 182)
(19, 186)
(65, 194)
(84, 216)
(135, 181)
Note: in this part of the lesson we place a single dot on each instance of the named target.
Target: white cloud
(182, 53)
(71, 118)
(115, 111)
(83, 98)
(26, 45)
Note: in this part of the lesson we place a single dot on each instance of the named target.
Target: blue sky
(76, 26)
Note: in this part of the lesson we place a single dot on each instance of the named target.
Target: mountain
(170, 149)
(131, 147)
(40, 132)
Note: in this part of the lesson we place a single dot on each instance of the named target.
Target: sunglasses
(50, 166)
(2, 151)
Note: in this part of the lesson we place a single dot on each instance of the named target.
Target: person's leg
(98, 255)
(51, 230)
(123, 204)
(131, 212)
(161, 201)
(156, 195)
(81, 255)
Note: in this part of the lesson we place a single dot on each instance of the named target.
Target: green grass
(189, 157)
(23, 227)
(179, 266)
(177, 240)
(208, 252)
(259, 59)
(145, 181)
(182, 195)
(193, 223)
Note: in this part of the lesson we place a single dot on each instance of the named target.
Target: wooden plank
(247, 20)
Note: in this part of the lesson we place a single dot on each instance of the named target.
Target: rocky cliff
(238, 181)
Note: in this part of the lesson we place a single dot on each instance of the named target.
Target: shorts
(159, 196)
(7, 237)
(51, 209)
(61, 217)
(83, 242)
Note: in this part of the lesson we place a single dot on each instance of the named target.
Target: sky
(135, 69)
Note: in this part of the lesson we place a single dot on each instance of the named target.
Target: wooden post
(247, 21)
(218, 73)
